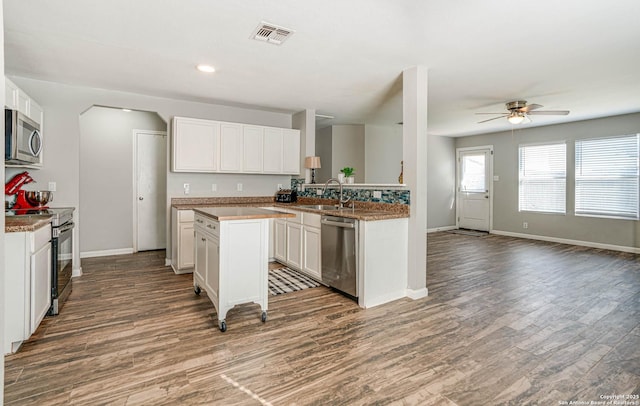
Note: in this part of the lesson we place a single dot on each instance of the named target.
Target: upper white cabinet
(291, 151)
(253, 147)
(16, 99)
(196, 145)
(215, 146)
(230, 147)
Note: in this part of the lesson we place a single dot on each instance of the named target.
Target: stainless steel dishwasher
(339, 237)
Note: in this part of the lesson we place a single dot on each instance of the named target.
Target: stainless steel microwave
(22, 139)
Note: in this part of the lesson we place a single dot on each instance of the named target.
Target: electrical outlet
(377, 194)
(239, 187)
(214, 187)
(52, 186)
(186, 188)
(318, 192)
(525, 225)
(279, 186)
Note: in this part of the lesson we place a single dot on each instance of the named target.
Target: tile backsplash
(362, 194)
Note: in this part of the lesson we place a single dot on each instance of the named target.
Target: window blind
(607, 176)
(543, 178)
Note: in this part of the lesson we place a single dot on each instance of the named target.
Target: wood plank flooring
(507, 321)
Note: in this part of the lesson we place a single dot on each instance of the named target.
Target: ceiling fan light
(515, 118)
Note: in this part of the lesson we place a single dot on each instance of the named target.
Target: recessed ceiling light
(126, 110)
(206, 68)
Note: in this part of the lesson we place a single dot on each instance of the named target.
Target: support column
(305, 121)
(414, 152)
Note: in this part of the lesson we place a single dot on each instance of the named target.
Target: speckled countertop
(362, 211)
(240, 213)
(21, 224)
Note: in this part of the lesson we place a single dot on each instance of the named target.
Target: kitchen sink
(318, 206)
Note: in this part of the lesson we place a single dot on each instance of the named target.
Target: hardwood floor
(507, 321)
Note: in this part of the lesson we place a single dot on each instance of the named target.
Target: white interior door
(475, 180)
(150, 187)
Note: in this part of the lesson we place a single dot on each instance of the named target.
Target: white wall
(63, 105)
(507, 218)
(441, 182)
(106, 175)
(324, 151)
(348, 150)
(383, 153)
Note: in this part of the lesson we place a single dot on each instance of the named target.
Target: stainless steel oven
(61, 257)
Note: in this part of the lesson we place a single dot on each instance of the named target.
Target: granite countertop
(361, 211)
(21, 224)
(240, 213)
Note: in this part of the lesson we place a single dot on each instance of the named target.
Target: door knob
(141, 198)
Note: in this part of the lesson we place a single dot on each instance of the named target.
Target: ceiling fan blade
(550, 112)
(530, 107)
(527, 119)
(493, 118)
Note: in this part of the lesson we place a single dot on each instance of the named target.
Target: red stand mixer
(26, 200)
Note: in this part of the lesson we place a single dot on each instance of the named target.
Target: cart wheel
(263, 317)
(197, 290)
(223, 326)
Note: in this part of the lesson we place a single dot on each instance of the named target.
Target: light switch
(239, 187)
(496, 178)
(214, 187)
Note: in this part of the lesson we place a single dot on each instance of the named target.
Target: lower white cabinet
(231, 263)
(297, 243)
(182, 249)
(27, 284)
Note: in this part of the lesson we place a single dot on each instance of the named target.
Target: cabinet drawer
(41, 237)
(310, 219)
(297, 218)
(185, 216)
(212, 227)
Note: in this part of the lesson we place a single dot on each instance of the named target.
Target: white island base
(231, 262)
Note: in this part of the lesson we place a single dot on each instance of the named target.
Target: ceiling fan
(519, 111)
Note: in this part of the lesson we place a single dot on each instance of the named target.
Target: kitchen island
(231, 256)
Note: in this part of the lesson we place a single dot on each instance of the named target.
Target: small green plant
(347, 171)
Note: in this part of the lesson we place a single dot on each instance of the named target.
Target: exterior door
(474, 189)
(150, 186)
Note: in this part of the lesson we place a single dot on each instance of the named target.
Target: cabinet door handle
(204, 239)
(199, 221)
(211, 226)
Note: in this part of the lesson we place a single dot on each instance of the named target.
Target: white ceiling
(346, 56)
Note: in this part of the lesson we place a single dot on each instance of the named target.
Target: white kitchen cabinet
(272, 150)
(230, 147)
(10, 94)
(195, 146)
(182, 249)
(280, 240)
(252, 147)
(294, 245)
(232, 255)
(311, 245)
(291, 151)
(223, 147)
(40, 285)
(27, 284)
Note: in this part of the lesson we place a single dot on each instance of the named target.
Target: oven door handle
(63, 228)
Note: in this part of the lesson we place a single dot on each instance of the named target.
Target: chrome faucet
(341, 200)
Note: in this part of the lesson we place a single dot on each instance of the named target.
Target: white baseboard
(633, 250)
(106, 253)
(416, 294)
(168, 262)
(445, 228)
(382, 299)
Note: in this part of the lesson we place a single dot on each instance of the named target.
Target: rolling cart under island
(232, 260)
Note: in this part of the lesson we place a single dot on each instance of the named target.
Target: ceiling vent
(271, 33)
